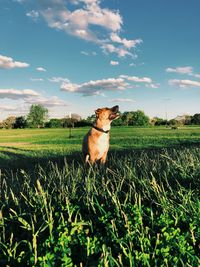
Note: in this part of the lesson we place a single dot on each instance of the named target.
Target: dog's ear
(97, 111)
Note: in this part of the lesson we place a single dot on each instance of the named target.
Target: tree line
(38, 118)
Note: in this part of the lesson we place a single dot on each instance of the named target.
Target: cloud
(152, 85)
(86, 53)
(146, 80)
(196, 75)
(114, 63)
(79, 21)
(123, 100)
(181, 70)
(58, 80)
(184, 83)
(41, 69)
(7, 108)
(127, 43)
(96, 87)
(37, 79)
(137, 79)
(33, 14)
(9, 63)
(17, 94)
(47, 102)
(87, 20)
(120, 51)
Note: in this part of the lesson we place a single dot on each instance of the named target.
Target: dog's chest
(102, 144)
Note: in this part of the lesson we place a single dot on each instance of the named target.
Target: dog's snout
(115, 109)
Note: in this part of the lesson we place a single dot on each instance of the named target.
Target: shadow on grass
(14, 161)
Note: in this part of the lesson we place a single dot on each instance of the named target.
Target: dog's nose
(115, 108)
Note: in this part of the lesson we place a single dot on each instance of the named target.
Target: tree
(73, 119)
(139, 118)
(127, 118)
(160, 121)
(20, 122)
(54, 123)
(9, 122)
(196, 119)
(37, 116)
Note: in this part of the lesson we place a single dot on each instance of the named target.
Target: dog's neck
(99, 125)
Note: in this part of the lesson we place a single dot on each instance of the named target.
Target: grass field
(141, 209)
(21, 147)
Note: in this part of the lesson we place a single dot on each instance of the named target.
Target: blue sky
(78, 55)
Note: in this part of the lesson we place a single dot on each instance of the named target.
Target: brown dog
(96, 141)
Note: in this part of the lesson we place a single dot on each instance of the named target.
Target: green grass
(141, 209)
(21, 147)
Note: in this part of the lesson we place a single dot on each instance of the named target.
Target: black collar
(99, 129)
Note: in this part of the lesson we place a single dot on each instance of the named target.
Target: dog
(96, 142)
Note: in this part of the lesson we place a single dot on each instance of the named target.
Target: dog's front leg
(103, 159)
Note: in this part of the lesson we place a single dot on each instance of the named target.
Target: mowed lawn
(39, 144)
(21, 146)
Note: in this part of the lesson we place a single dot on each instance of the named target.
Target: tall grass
(141, 209)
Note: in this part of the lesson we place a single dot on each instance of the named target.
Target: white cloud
(33, 14)
(17, 94)
(87, 20)
(7, 108)
(37, 79)
(47, 102)
(120, 51)
(137, 79)
(111, 84)
(184, 83)
(41, 69)
(132, 64)
(146, 80)
(184, 70)
(196, 75)
(181, 70)
(78, 22)
(153, 85)
(127, 43)
(87, 53)
(96, 87)
(9, 63)
(58, 79)
(123, 100)
(114, 63)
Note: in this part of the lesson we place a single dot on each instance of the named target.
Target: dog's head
(107, 114)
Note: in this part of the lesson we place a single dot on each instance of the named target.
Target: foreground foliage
(142, 209)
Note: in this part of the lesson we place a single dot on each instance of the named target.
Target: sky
(74, 56)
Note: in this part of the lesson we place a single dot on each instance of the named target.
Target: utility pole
(70, 125)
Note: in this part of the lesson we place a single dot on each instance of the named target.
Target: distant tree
(188, 120)
(91, 119)
(54, 123)
(139, 118)
(159, 121)
(73, 119)
(82, 123)
(118, 121)
(9, 122)
(37, 116)
(20, 122)
(196, 119)
(174, 122)
(127, 118)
